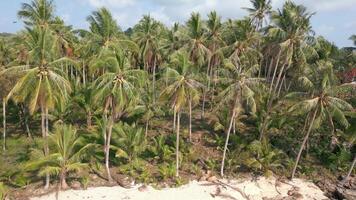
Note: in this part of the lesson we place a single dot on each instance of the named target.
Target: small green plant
(85, 181)
(145, 176)
(167, 171)
(262, 156)
(161, 151)
(3, 191)
(128, 141)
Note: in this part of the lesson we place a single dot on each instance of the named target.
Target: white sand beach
(263, 188)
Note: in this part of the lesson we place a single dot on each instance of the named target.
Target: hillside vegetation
(164, 104)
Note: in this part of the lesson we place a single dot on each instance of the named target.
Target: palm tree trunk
(4, 123)
(177, 145)
(154, 81)
(174, 120)
(146, 129)
(62, 180)
(190, 119)
(279, 78)
(226, 143)
(304, 142)
(350, 170)
(282, 83)
(275, 71)
(206, 91)
(107, 147)
(84, 76)
(44, 136)
(46, 145)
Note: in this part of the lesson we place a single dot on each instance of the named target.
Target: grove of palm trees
(261, 95)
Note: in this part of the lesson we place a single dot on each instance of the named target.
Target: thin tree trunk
(279, 78)
(280, 87)
(206, 91)
(107, 149)
(174, 120)
(275, 71)
(63, 181)
(44, 136)
(190, 120)
(46, 145)
(350, 170)
(303, 143)
(226, 143)
(84, 76)
(154, 81)
(4, 123)
(177, 145)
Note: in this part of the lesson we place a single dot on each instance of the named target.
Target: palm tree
(319, 106)
(41, 83)
(66, 156)
(290, 29)
(214, 44)
(261, 9)
(182, 89)
(196, 39)
(103, 40)
(238, 95)
(38, 13)
(148, 36)
(117, 91)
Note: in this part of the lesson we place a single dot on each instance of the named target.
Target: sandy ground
(262, 188)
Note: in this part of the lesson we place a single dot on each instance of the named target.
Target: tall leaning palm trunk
(177, 144)
(350, 170)
(107, 146)
(190, 119)
(4, 123)
(44, 129)
(304, 142)
(232, 119)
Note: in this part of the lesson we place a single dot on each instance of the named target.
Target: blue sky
(334, 19)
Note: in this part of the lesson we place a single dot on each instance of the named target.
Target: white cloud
(128, 12)
(111, 3)
(321, 5)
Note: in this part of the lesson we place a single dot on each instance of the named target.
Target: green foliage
(128, 141)
(161, 150)
(263, 157)
(167, 170)
(269, 83)
(3, 191)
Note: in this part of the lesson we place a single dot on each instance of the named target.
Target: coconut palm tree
(103, 40)
(238, 95)
(214, 44)
(291, 29)
(117, 91)
(259, 12)
(195, 41)
(66, 156)
(41, 83)
(182, 91)
(148, 35)
(38, 13)
(321, 105)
